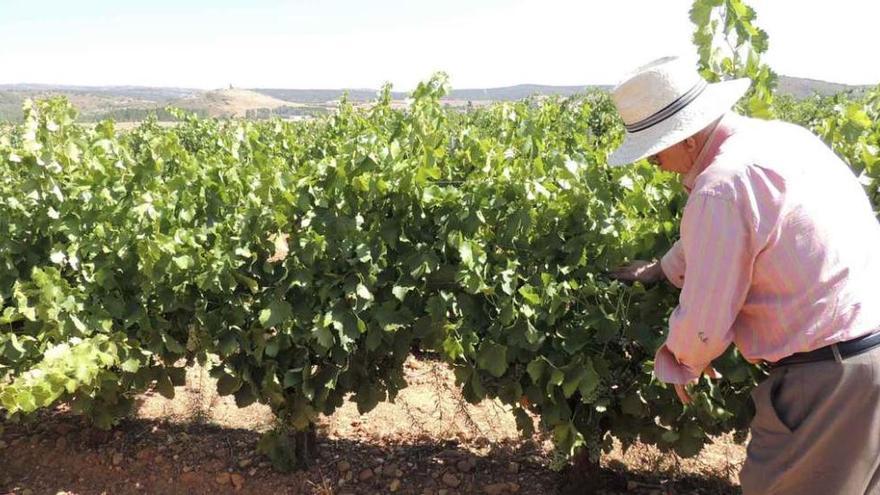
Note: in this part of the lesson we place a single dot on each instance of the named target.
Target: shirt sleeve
(716, 242)
(673, 264)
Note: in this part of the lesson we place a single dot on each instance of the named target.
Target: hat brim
(714, 102)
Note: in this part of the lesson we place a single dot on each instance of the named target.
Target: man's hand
(646, 272)
(681, 390)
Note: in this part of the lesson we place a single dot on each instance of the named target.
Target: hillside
(518, 92)
(794, 86)
(137, 92)
(93, 102)
(134, 103)
(229, 102)
(802, 88)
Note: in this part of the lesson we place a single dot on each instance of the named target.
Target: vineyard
(303, 263)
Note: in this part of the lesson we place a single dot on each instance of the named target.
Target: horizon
(344, 88)
(339, 44)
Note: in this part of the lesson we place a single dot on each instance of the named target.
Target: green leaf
(374, 338)
(292, 378)
(670, 436)
(130, 365)
(172, 344)
(466, 253)
(184, 262)
(492, 357)
(557, 377)
(324, 337)
(228, 344)
(364, 293)
(272, 348)
(252, 285)
(401, 291)
(164, 386)
(277, 447)
(228, 384)
(536, 369)
(452, 348)
(633, 405)
(177, 376)
(689, 446)
(367, 397)
(276, 313)
(528, 293)
(245, 396)
(590, 379)
(572, 380)
(524, 422)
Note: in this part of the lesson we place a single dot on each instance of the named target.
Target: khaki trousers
(816, 430)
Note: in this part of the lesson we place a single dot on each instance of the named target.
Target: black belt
(846, 349)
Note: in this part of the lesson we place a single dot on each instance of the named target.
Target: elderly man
(779, 254)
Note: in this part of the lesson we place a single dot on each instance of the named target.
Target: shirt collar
(724, 128)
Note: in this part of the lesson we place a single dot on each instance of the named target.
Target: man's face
(676, 159)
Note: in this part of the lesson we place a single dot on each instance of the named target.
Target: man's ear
(690, 144)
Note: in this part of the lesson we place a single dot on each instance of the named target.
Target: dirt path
(428, 442)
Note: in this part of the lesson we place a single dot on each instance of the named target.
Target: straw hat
(664, 103)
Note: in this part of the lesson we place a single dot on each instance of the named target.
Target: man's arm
(716, 240)
(673, 264)
(670, 267)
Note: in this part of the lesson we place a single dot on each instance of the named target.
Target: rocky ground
(428, 442)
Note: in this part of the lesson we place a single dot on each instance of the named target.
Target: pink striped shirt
(779, 250)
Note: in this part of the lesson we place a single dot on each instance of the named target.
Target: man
(779, 254)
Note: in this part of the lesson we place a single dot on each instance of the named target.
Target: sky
(365, 43)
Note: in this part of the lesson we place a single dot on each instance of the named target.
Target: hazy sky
(363, 43)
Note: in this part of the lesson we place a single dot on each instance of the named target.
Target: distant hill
(229, 102)
(94, 102)
(135, 92)
(324, 96)
(802, 88)
(795, 86)
(485, 94)
(133, 103)
(519, 92)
